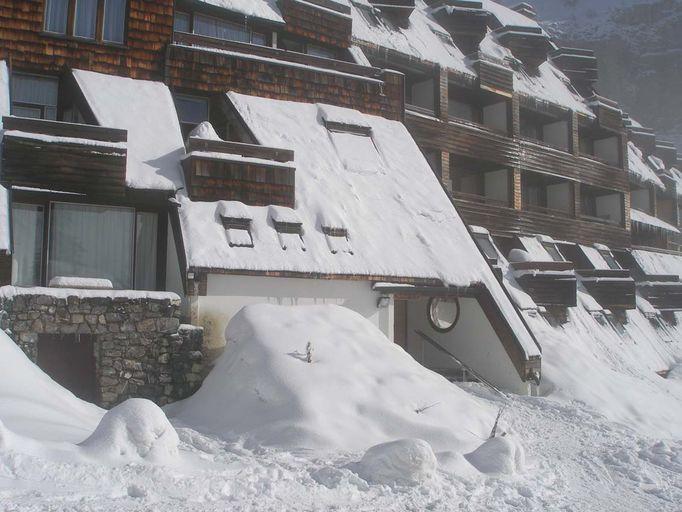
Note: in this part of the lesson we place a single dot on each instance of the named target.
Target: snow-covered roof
(4, 194)
(596, 259)
(146, 110)
(263, 9)
(507, 16)
(676, 175)
(639, 167)
(658, 263)
(423, 38)
(651, 221)
(399, 221)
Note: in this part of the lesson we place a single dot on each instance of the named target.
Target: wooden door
(70, 360)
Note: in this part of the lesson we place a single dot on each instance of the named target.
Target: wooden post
(574, 131)
(516, 189)
(577, 207)
(442, 93)
(626, 212)
(515, 116)
(445, 177)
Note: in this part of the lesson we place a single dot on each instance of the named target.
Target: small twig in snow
(497, 420)
(426, 408)
(309, 352)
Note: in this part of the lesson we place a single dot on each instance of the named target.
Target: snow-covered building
(187, 158)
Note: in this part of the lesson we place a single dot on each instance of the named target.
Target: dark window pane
(191, 109)
(320, 51)
(182, 22)
(56, 14)
(610, 260)
(258, 38)
(86, 18)
(34, 96)
(27, 231)
(487, 246)
(114, 21)
(553, 251)
(145, 250)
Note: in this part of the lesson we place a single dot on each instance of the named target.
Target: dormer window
(609, 259)
(553, 251)
(289, 227)
(483, 241)
(337, 239)
(236, 220)
(34, 96)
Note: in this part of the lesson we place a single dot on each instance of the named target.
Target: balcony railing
(62, 156)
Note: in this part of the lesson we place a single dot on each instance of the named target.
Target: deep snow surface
(557, 453)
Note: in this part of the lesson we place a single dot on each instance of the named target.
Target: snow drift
(402, 462)
(34, 405)
(132, 431)
(498, 455)
(360, 389)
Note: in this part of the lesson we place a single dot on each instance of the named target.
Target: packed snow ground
(557, 454)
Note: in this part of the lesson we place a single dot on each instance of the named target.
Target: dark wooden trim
(240, 148)
(63, 129)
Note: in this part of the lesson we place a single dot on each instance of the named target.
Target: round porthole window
(443, 313)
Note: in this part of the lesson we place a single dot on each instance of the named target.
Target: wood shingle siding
(273, 73)
(256, 184)
(71, 157)
(29, 48)
(318, 21)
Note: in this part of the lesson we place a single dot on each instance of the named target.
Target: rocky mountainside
(639, 46)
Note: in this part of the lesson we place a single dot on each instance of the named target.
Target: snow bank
(360, 390)
(613, 370)
(204, 130)
(36, 406)
(402, 462)
(499, 455)
(133, 431)
(263, 9)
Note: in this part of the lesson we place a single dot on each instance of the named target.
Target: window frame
(192, 97)
(550, 247)
(39, 106)
(100, 21)
(191, 19)
(46, 199)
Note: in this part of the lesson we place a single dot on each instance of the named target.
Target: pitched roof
(146, 110)
(399, 221)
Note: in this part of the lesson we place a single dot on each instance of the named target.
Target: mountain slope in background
(639, 46)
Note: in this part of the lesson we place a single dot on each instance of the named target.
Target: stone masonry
(141, 350)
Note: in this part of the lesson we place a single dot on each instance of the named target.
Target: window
(182, 22)
(221, 29)
(34, 96)
(92, 241)
(357, 152)
(319, 51)
(443, 313)
(238, 231)
(337, 240)
(113, 30)
(553, 251)
(610, 260)
(146, 230)
(27, 233)
(86, 19)
(97, 20)
(486, 246)
(56, 16)
(192, 110)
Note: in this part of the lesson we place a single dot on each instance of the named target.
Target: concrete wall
(495, 116)
(559, 196)
(472, 340)
(610, 206)
(496, 185)
(608, 149)
(226, 295)
(556, 134)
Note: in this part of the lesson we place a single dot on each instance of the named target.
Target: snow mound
(498, 455)
(360, 389)
(204, 130)
(136, 429)
(35, 405)
(402, 462)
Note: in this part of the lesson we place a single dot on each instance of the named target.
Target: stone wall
(140, 348)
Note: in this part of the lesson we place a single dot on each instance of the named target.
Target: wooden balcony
(62, 156)
(214, 66)
(663, 295)
(477, 142)
(255, 175)
(464, 139)
(504, 220)
(612, 289)
(549, 283)
(545, 159)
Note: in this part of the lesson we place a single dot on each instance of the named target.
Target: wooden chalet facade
(518, 138)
